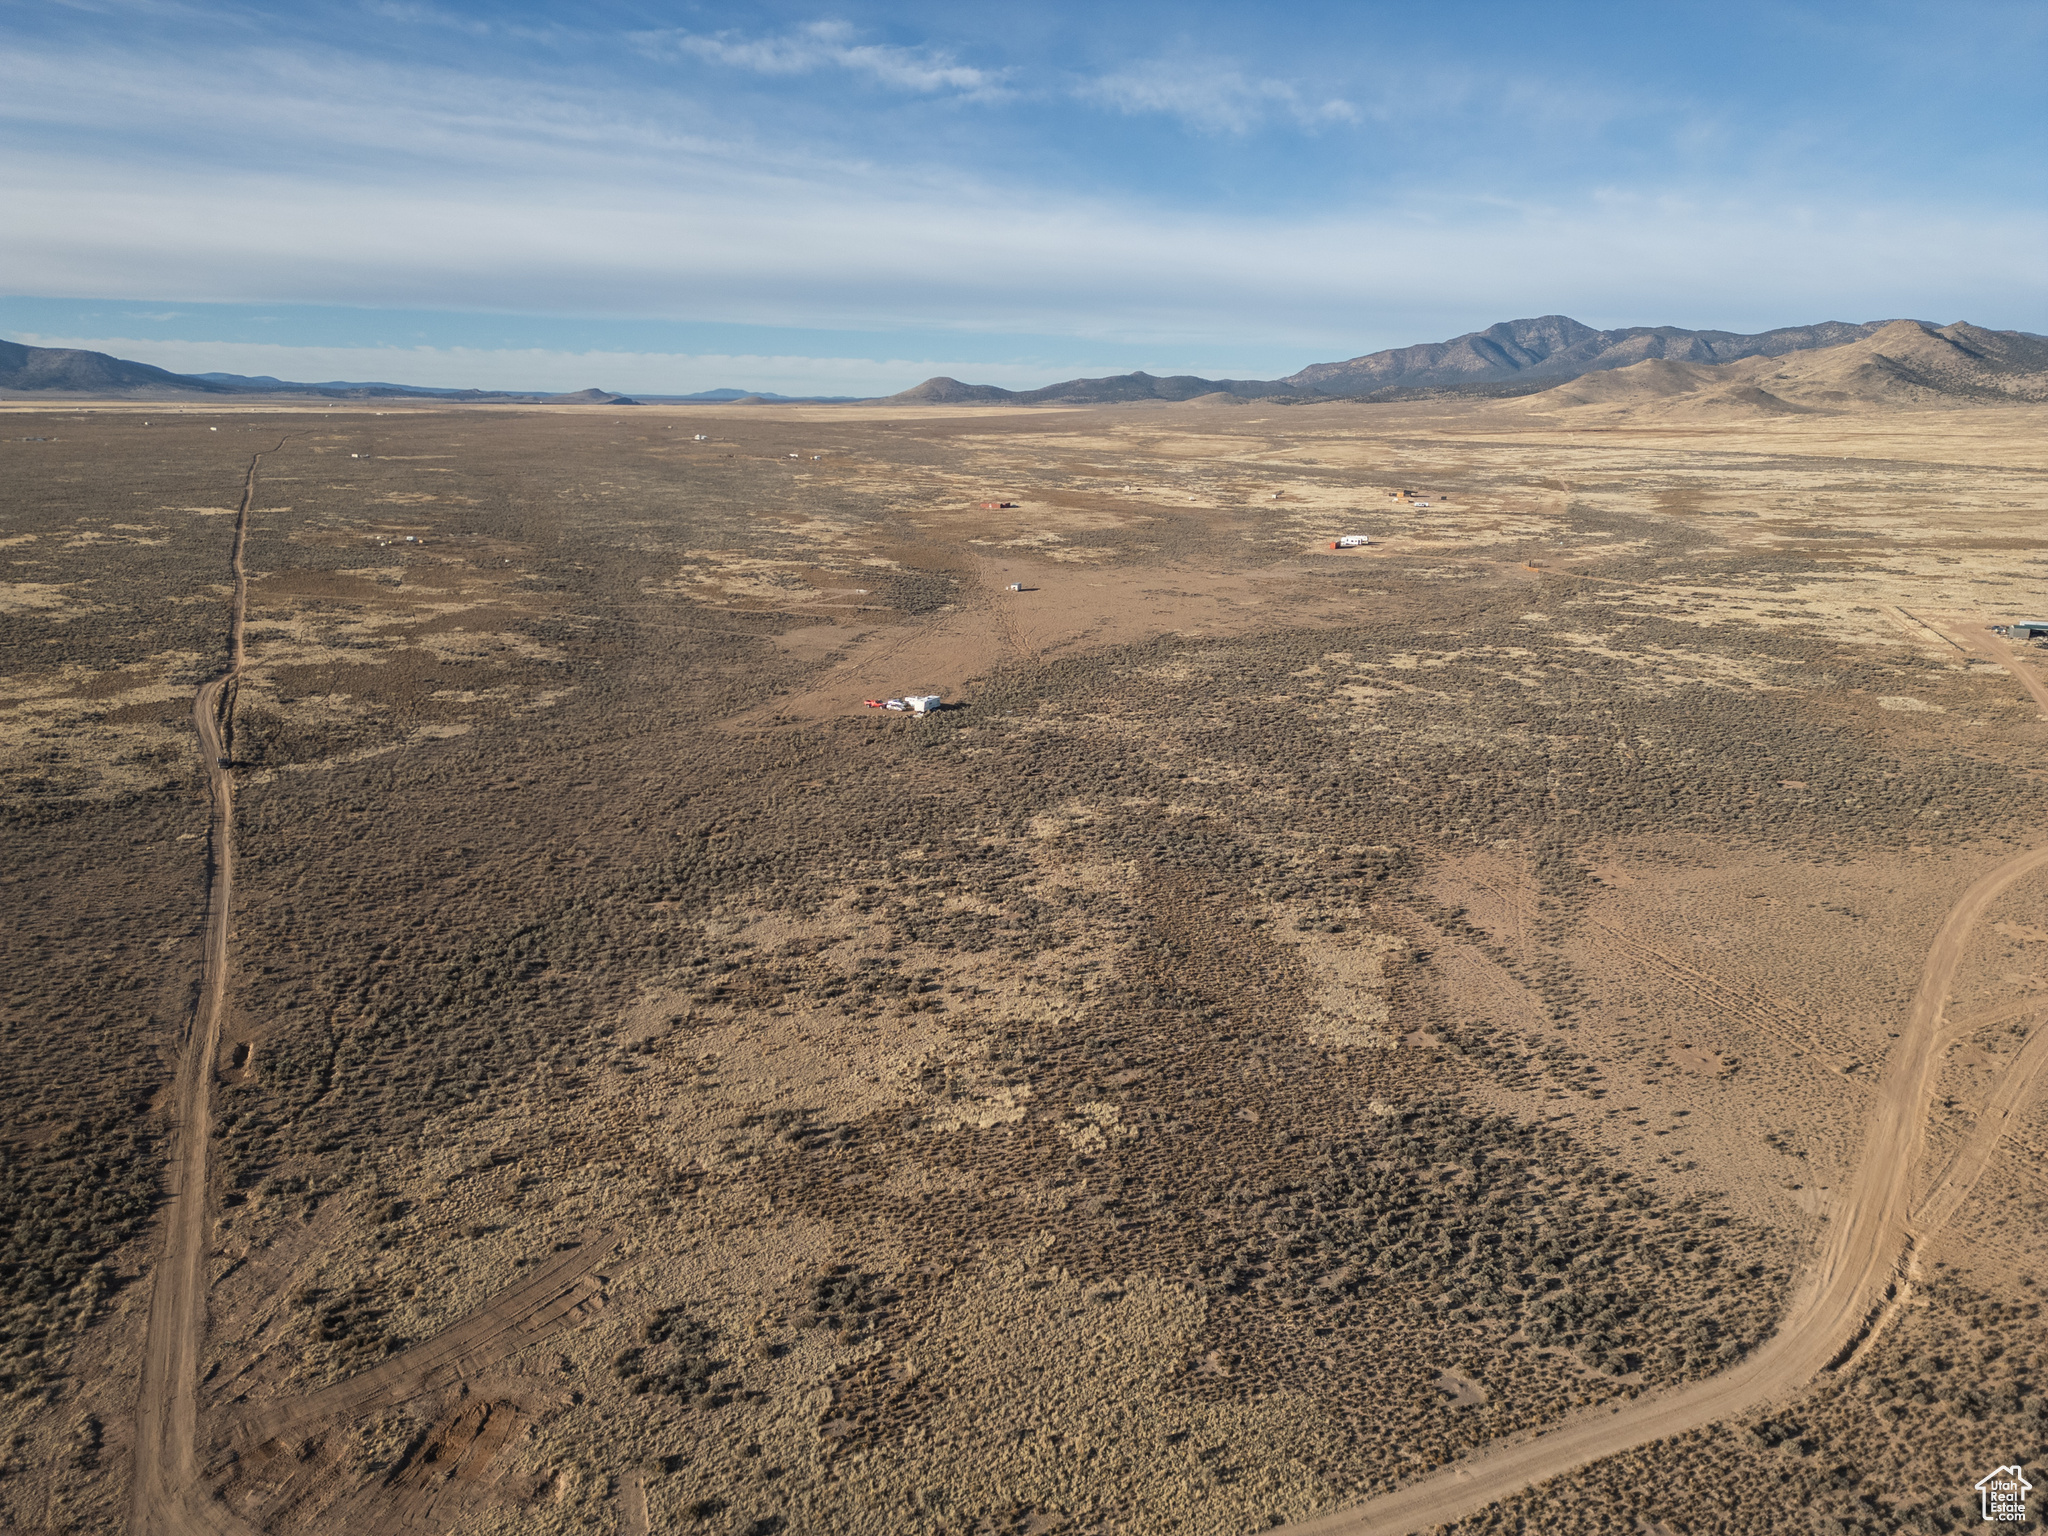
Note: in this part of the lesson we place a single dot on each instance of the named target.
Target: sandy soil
(1303, 1037)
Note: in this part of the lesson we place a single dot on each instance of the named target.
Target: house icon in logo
(2004, 1493)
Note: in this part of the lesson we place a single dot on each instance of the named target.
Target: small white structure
(702, 438)
(916, 703)
(1016, 586)
(1351, 541)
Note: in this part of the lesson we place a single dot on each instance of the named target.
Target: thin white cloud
(760, 244)
(1214, 97)
(344, 181)
(832, 45)
(309, 108)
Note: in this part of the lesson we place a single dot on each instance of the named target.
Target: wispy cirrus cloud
(1207, 95)
(507, 180)
(833, 45)
(1214, 97)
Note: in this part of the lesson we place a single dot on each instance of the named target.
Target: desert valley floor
(532, 1050)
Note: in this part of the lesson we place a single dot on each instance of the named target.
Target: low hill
(73, 371)
(941, 390)
(64, 370)
(747, 397)
(1911, 361)
(1143, 386)
(69, 371)
(1115, 389)
(265, 383)
(1903, 363)
(590, 397)
(1654, 386)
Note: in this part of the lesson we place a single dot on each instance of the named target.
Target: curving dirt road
(1842, 1296)
(167, 1403)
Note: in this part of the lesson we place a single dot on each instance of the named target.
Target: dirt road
(2028, 677)
(167, 1400)
(1968, 633)
(1841, 1297)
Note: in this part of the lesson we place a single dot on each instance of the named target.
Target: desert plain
(1535, 1024)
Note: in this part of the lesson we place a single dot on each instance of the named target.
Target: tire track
(279, 1465)
(1961, 1029)
(1773, 1015)
(559, 1292)
(1973, 1158)
(1843, 1299)
(993, 597)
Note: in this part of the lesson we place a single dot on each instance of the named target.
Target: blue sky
(847, 198)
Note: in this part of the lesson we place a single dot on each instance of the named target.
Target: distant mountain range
(64, 370)
(1515, 357)
(1118, 389)
(1557, 347)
